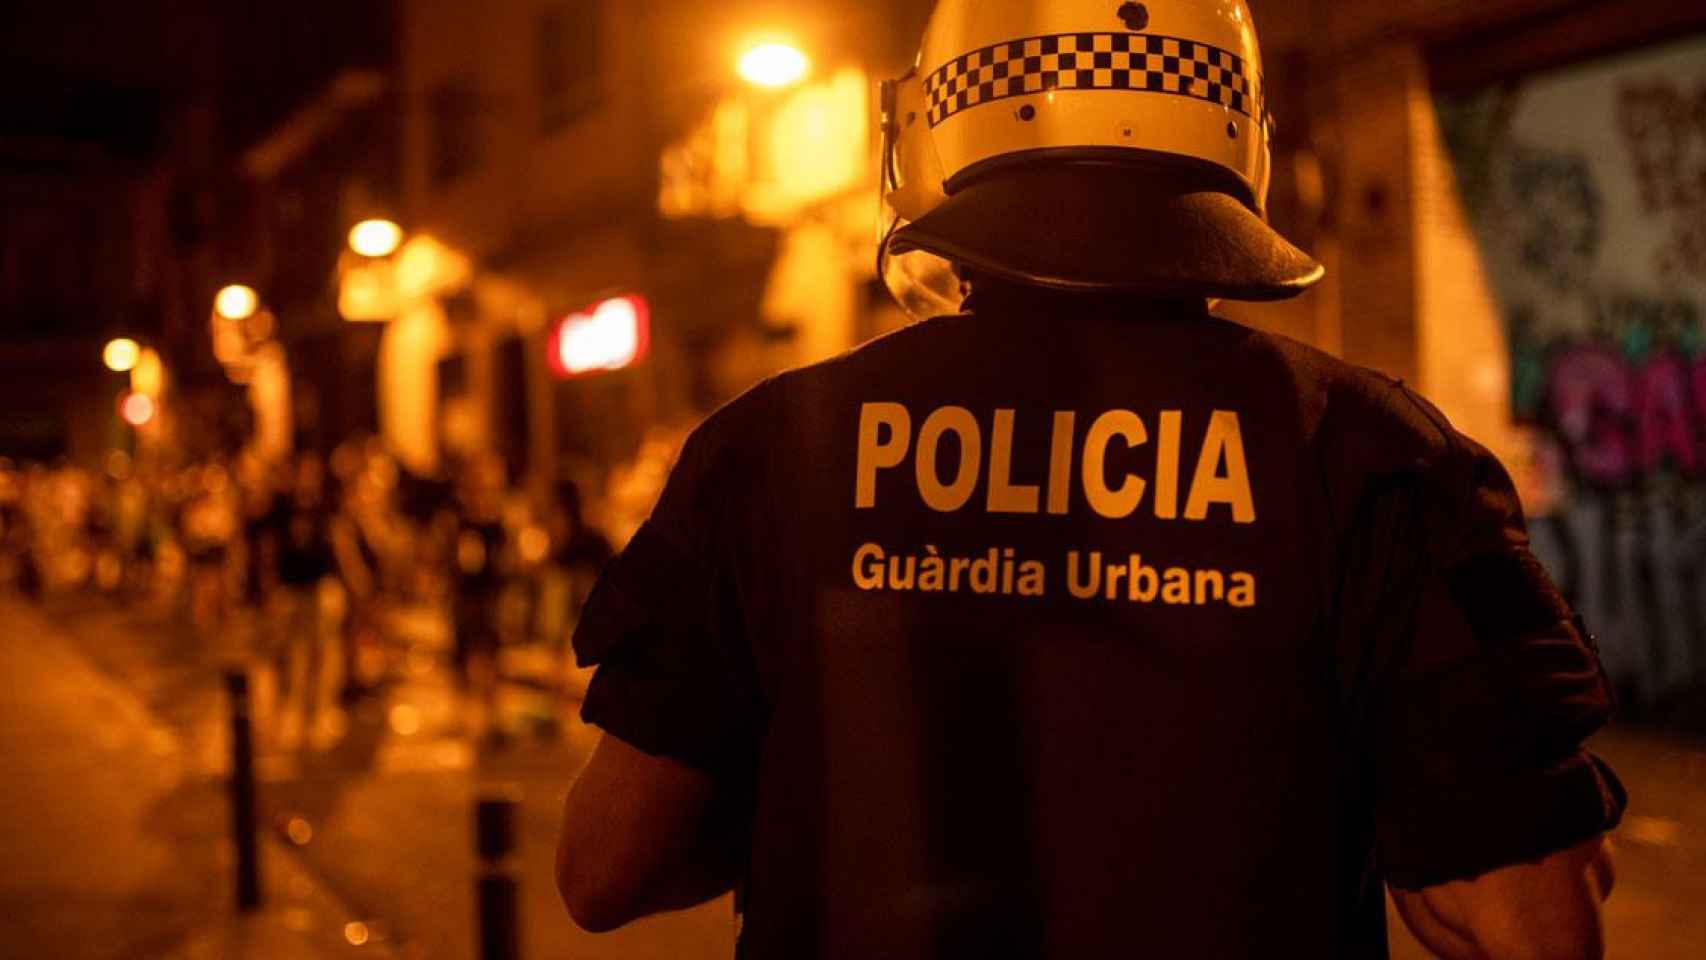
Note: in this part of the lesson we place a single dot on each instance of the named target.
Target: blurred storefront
(571, 152)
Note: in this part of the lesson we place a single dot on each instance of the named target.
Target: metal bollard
(243, 819)
(495, 883)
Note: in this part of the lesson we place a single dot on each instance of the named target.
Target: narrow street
(117, 743)
(374, 820)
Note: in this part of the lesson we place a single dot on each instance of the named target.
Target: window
(570, 57)
(455, 120)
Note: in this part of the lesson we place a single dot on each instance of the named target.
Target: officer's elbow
(594, 903)
(593, 909)
(595, 913)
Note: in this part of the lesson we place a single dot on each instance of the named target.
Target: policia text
(1221, 476)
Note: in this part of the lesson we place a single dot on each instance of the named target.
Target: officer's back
(1052, 569)
(1087, 624)
(1075, 619)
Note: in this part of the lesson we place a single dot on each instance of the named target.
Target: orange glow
(426, 267)
(236, 302)
(816, 146)
(136, 409)
(260, 326)
(800, 149)
(300, 831)
(534, 544)
(149, 374)
(608, 336)
(121, 355)
(356, 933)
(774, 65)
(367, 290)
(405, 720)
(375, 238)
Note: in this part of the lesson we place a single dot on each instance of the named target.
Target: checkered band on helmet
(1146, 63)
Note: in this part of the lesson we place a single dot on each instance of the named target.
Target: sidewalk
(375, 809)
(116, 837)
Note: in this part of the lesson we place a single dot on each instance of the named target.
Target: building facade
(566, 152)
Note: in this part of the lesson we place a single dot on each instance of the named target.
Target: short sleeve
(1486, 684)
(665, 626)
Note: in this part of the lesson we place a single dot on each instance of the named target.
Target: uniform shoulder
(730, 434)
(1373, 417)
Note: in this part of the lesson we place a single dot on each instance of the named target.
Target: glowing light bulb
(774, 65)
(137, 409)
(236, 302)
(121, 355)
(375, 238)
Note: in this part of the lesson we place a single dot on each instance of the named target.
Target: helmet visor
(924, 284)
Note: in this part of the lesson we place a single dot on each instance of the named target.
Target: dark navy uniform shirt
(1077, 629)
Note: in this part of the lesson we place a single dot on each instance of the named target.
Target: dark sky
(104, 70)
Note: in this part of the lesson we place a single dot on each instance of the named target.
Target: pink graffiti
(1666, 427)
(1591, 398)
(1622, 421)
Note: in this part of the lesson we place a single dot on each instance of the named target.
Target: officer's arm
(1546, 909)
(638, 838)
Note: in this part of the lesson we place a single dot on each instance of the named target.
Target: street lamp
(136, 409)
(774, 65)
(236, 302)
(375, 238)
(121, 355)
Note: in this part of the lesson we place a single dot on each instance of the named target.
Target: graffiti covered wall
(1586, 188)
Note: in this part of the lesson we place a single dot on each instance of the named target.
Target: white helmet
(1084, 145)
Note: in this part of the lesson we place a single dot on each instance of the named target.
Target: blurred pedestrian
(477, 577)
(301, 545)
(208, 528)
(1083, 623)
(578, 553)
(356, 557)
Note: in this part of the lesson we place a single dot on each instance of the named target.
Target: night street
(973, 478)
(137, 718)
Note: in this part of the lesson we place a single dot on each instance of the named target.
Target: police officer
(1083, 623)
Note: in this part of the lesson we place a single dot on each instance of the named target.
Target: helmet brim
(1112, 227)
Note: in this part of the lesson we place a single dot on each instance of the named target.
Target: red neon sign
(609, 335)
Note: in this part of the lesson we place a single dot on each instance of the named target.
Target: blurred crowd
(305, 566)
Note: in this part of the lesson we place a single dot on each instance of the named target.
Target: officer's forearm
(641, 835)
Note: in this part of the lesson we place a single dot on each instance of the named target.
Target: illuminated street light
(136, 409)
(774, 65)
(375, 238)
(121, 355)
(236, 302)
